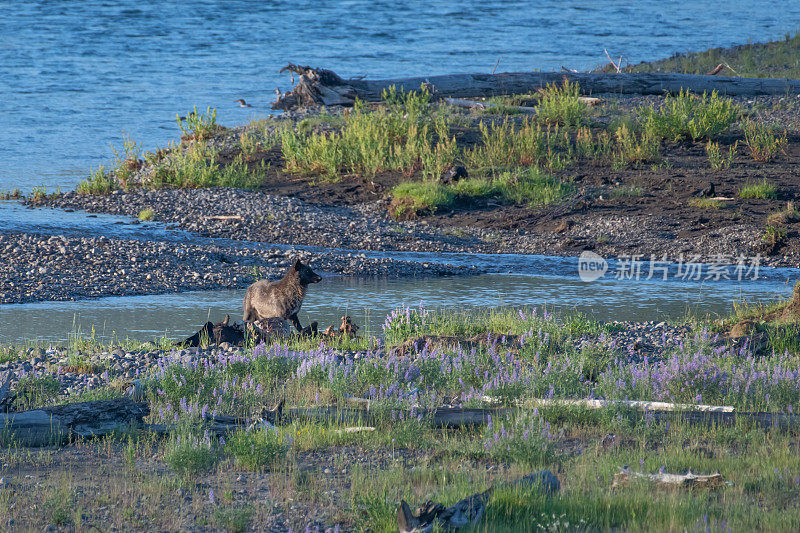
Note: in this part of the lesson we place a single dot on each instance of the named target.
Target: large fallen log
(318, 86)
(55, 425)
(453, 417)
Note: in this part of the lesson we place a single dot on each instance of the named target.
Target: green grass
(776, 59)
(529, 187)
(198, 126)
(689, 116)
(147, 214)
(560, 104)
(706, 203)
(402, 135)
(761, 191)
(256, 449)
(356, 479)
(198, 166)
(99, 182)
(717, 159)
(763, 141)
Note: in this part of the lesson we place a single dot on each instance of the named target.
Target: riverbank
(639, 205)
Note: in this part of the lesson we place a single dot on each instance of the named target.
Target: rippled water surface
(75, 75)
(369, 300)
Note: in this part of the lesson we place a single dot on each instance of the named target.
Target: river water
(511, 280)
(75, 75)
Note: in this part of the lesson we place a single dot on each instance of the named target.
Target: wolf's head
(305, 273)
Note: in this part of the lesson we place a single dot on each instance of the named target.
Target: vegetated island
(625, 426)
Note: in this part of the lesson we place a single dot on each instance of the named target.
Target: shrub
(504, 145)
(761, 191)
(37, 391)
(189, 455)
(147, 214)
(690, 116)
(99, 182)
(762, 141)
(631, 147)
(560, 104)
(199, 126)
(255, 450)
(197, 166)
(716, 159)
(399, 136)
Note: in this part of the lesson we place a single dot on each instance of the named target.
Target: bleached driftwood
(639, 405)
(318, 86)
(458, 417)
(688, 480)
(224, 217)
(466, 512)
(54, 425)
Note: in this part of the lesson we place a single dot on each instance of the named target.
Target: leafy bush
(716, 159)
(199, 126)
(763, 141)
(560, 104)
(99, 182)
(147, 214)
(690, 116)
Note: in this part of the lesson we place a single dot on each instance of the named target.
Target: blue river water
(75, 75)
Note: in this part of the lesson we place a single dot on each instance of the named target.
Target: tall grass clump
(99, 182)
(401, 135)
(690, 116)
(189, 455)
(505, 145)
(624, 146)
(763, 141)
(561, 104)
(759, 191)
(255, 450)
(717, 159)
(529, 186)
(198, 126)
(198, 166)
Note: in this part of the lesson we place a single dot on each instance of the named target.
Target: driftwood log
(55, 425)
(663, 479)
(466, 512)
(452, 417)
(318, 86)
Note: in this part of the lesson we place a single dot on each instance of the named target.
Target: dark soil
(659, 193)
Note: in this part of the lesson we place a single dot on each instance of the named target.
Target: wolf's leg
(296, 322)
